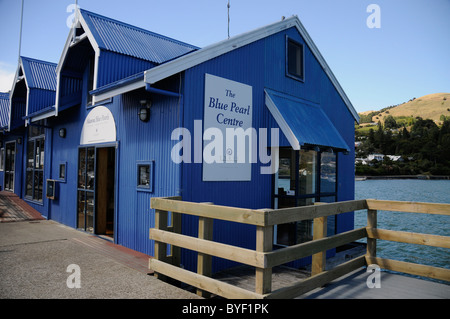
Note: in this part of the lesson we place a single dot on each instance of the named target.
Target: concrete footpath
(42, 259)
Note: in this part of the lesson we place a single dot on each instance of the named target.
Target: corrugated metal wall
(114, 67)
(40, 99)
(244, 65)
(261, 65)
(142, 142)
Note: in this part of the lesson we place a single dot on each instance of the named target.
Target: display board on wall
(227, 130)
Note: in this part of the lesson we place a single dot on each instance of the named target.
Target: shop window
(304, 178)
(34, 178)
(145, 176)
(295, 60)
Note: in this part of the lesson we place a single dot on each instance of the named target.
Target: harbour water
(432, 191)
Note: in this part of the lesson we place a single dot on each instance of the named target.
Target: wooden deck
(266, 278)
(351, 286)
(392, 286)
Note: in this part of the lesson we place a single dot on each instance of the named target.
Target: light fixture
(62, 132)
(19, 140)
(144, 111)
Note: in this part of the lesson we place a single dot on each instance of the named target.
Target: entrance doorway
(10, 156)
(96, 181)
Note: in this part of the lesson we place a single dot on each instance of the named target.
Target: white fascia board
(326, 68)
(43, 116)
(16, 80)
(117, 91)
(185, 62)
(190, 60)
(282, 123)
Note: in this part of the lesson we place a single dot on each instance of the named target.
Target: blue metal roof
(303, 122)
(129, 40)
(39, 74)
(4, 109)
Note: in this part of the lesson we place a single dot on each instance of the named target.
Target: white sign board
(99, 127)
(227, 129)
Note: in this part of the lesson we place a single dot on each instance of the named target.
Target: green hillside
(432, 106)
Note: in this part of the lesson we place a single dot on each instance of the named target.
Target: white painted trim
(117, 91)
(57, 94)
(79, 21)
(18, 78)
(183, 63)
(42, 116)
(285, 128)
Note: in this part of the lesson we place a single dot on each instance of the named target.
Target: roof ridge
(138, 28)
(38, 61)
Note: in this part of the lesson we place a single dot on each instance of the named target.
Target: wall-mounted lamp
(62, 132)
(19, 140)
(144, 111)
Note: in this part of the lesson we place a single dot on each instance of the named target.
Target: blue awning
(303, 123)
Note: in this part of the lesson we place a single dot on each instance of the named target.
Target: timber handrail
(263, 258)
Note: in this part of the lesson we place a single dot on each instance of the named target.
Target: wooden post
(371, 242)
(160, 248)
(175, 228)
(319, 231)
(264, 243)
(204, 262)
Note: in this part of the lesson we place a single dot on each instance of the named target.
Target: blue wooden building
(137, 115)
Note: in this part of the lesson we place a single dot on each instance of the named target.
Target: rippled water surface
(434, 191)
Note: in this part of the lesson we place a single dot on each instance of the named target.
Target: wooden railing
(263, 258)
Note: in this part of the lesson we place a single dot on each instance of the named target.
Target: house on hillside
(138, 115)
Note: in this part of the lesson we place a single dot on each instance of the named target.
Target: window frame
(317, 195)
(34, 139)
(151, 177)
(302, 47)
(64, 179)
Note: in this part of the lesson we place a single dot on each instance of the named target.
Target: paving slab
(37, 261)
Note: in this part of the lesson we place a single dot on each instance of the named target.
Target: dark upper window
(295, 60)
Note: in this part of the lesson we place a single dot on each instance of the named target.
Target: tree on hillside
(390, 123)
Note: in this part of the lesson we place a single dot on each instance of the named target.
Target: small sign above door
(99, 127)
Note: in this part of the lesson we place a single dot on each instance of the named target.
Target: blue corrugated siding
(261, 65)
(65, 150)
(113, 67)
(316, 88)
(143, 142)
(40, 99)
(245, 65)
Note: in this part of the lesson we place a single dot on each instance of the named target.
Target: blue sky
(408, 56)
